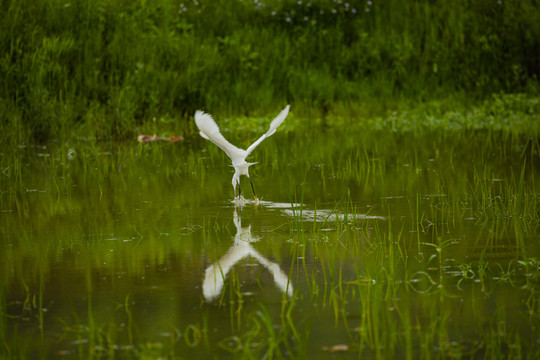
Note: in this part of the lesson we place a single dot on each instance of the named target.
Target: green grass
(109, 70)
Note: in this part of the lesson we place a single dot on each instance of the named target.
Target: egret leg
(255, 196)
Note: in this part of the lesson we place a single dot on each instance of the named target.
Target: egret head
(242, 168)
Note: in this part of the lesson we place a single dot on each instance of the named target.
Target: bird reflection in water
(217, 272)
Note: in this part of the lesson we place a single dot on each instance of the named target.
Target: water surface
(382, 244)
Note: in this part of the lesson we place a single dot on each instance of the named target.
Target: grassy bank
(105, 69)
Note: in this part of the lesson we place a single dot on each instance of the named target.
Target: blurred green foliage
(105, 68)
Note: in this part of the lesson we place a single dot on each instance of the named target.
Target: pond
(368, 244)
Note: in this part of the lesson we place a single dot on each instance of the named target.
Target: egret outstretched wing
(210, 131)
(273, 126)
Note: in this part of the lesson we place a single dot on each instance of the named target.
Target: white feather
(210, 131)
(273, 126)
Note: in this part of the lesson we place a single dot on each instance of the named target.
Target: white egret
(210, 131)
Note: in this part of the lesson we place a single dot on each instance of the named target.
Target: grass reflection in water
(381, 245)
